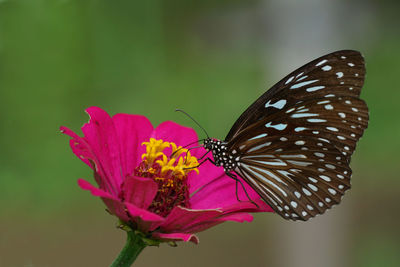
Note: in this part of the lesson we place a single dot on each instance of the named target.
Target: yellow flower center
(168, 165)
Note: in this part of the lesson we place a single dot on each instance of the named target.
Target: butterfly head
(211, 144)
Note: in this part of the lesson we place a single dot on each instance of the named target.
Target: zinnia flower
(152, 184)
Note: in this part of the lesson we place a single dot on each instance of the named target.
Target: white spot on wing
(308, 193)
(293, 156)
(332, 191)
(298, 85)
(279, 104)
(303, 115)
(289, 80)
(313, 187)
(326, 68)
(258, 136)
(330, 166)
(302, 78)
(315, 88)
(318, 154)
(298, 129)
(313, 180)
(326, 178)
(332, 129)
(259, 147)
(316, 120)
(299, 163)
(280, 126)
(278, 162)
(321, 62)
(339, 74)
(290, 110)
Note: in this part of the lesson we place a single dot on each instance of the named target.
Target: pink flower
(152, 184)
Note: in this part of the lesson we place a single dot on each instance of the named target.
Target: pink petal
(139, 191)
(247, 206)
(208, 173)
(176, 237)
(221, 192)
(79, 146)
(204, 225)
(237, 212)
(132, 131)
(181, 219)
(101, 135)
(237, 217)
(113, 204)
(145, 220)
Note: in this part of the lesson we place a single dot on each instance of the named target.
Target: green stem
(134, 245)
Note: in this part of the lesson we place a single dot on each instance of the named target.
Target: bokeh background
(211, 58)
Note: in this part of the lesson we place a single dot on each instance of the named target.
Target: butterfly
(294, 143)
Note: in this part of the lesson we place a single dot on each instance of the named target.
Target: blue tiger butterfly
(294, 143)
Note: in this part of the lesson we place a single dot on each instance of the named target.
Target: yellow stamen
(178, 165)
(154, 150)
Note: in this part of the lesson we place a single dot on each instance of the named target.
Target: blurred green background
(212, 59)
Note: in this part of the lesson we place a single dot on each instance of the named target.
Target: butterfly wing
(296, 140)
(324, 70)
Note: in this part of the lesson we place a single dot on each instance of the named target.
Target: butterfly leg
(234, 177)
(205, 154)
(191, 149)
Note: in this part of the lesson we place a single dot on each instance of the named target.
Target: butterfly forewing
(337, 74)
(295, 141)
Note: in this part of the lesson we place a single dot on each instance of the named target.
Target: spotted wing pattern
(295, 142)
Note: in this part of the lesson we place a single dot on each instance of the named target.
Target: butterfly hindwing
(299, 177)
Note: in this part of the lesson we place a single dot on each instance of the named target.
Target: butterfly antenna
(198, 124)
